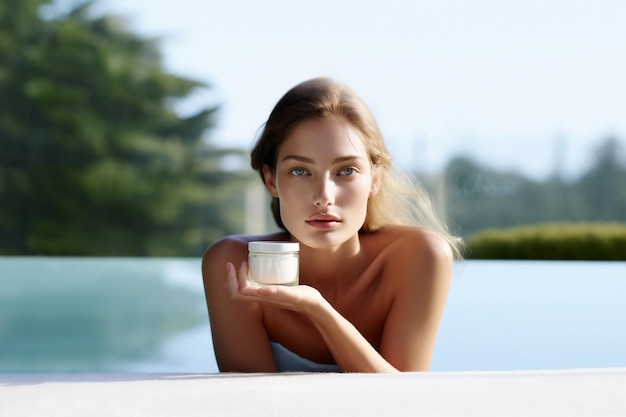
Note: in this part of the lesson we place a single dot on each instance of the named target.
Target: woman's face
(323, 180)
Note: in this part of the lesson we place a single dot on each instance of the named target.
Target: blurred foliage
(476, 198)
(93, 158)
(563, 241)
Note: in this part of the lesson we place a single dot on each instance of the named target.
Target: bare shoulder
(226, 247)
(416, 244)
(234, 248)
(412, 257)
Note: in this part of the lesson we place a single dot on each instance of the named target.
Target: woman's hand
(297, 298)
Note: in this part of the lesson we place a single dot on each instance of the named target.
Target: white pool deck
(572, 392)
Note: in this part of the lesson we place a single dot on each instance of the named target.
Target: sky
(524, 85)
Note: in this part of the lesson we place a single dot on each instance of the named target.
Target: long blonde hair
(400, 200)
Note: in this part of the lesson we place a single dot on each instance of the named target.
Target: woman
(375, 263)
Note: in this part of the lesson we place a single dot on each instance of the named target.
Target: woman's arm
(425, 271)
(240, 341)
(421, 272)
(352, 352)
(421, 275)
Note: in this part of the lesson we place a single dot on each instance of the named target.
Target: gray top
(287, 361)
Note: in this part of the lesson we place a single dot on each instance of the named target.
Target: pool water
(149, 315)
(509, 315)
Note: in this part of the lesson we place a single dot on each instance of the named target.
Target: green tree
(94, 160)
(603, 187)
(477, 197)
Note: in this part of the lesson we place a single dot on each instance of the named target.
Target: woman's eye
(347, 171)
(298, 172)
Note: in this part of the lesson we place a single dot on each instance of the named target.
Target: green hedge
(558, 241)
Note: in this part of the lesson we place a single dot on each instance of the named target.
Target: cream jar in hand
(273, 263)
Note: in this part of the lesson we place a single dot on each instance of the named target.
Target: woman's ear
(377, 174)
(270, 181)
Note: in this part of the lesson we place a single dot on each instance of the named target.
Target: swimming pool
(149, 315)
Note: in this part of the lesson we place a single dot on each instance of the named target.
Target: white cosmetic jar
(273, 263)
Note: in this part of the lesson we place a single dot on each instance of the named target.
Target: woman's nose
(325, 193)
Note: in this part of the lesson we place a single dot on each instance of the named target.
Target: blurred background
(125, 128)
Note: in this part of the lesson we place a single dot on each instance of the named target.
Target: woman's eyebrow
(348, 158)
(298, 158)
(308, 160)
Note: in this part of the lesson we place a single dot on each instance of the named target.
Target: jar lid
(269, 246)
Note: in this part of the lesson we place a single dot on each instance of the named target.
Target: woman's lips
(323, 224)
(323, 221)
